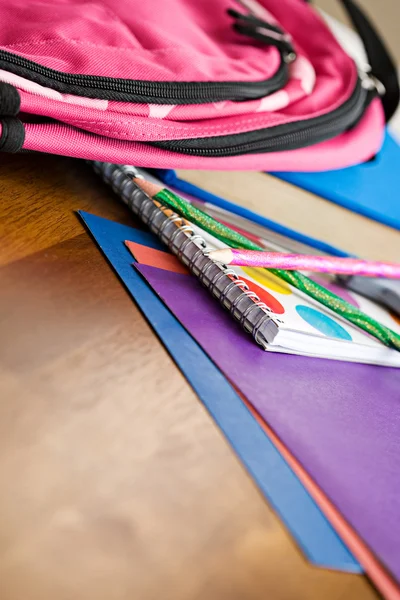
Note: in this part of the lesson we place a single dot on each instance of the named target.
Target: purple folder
(341, 420)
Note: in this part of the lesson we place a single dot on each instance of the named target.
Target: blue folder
(371, 189)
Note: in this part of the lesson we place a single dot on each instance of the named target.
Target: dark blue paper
(272, 474)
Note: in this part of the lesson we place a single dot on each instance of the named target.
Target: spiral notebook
(309, 328)
(280, 318)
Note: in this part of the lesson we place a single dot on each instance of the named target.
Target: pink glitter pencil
(321, 264)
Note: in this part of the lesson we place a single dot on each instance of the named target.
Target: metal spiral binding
(224, 283)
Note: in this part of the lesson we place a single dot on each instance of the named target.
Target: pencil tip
(151, 189)
(223, 255)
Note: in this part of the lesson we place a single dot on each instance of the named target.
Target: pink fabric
(175, 40)
(38, 90)
(148, 39)
(146, 128)
(32, 102)
(350, 148)
(178, 40)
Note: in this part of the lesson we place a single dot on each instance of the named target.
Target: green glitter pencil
(236, 240)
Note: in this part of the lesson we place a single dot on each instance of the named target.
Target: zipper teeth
(316, 129)
(159, 91)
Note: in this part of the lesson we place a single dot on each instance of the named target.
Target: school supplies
(275, 236)
(374, 569)
(276, 480)
(232, 238)
(265, 86)
(244, 305)
(291, 262)
(340, 420)
(305, 327)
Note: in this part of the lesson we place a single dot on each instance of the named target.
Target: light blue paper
(370, 189)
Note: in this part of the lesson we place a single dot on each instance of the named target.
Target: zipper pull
(252, 26)
(369, 81)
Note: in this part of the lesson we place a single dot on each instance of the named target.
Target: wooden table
(115, 482)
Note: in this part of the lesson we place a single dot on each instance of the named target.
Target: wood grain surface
(115, 482)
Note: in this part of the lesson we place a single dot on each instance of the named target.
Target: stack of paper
(336, 423)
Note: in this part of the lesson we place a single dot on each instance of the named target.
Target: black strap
(382, 64)
(12, 135)
(10, 100)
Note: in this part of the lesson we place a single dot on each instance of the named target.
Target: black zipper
(282, 137)
(132, 90)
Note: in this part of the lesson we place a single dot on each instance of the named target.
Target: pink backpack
(190, 84)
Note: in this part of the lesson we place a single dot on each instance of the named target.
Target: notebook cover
(370, 189)
(271, 472)
(340, 420)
